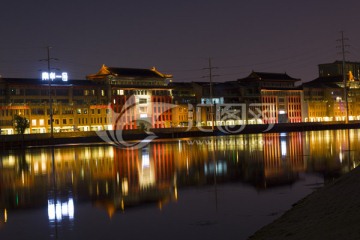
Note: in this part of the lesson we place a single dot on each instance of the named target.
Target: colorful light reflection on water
(193, 188)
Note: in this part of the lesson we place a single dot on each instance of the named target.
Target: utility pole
(49, 78)
(210, 68)
(344, 77)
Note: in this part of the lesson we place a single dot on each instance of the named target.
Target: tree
(21, 124)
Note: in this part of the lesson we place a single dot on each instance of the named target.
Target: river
(191, 188)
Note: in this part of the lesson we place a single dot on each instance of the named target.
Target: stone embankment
(332, 212)
(17, 141)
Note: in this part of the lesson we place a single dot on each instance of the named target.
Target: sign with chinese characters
(45, 76)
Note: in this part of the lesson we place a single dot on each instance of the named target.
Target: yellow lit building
(184, 97)
(76, 105)
(324, 99)
(87, 105)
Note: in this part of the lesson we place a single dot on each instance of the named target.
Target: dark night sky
(177, 37)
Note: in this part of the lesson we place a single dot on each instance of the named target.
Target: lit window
(142, 100)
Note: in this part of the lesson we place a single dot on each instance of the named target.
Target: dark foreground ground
(332, 212)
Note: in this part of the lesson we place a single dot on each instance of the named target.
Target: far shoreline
(33, 140)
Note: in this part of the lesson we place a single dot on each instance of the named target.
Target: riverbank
(332, 212)
(30, 140)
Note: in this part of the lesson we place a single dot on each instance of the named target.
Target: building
(327, 99)
(258, 98)
(276, 94)
(324, 99)
(141, 98)
(76, 105)
(185, 99)
(352, 69)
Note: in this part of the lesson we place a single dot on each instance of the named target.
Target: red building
(277, 93)
(140, 98)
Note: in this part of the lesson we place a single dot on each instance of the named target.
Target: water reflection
(59, 210)
(119, 179)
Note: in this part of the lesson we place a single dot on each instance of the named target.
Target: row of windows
(12, 112)
(92, 111)
(121, 92)
(294, 114)
(54, 92)
(90, 101)
(294, 107)
(42, 111)
(281, 99)
(317, 114)
(136, 82)
(164, 117)
(68, 121)
(56, 121)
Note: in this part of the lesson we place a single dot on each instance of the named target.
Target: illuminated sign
(45, 76)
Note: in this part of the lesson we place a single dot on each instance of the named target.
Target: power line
(48, 60)
(343, 53)
(210, 68)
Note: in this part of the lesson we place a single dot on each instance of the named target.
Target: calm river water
(198, 188)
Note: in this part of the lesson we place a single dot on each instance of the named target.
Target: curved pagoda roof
(266, 76)
(127, 73)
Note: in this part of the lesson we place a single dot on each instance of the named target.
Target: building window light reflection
(5, 215)
(60, 210)
(283, 148)
(219, 167)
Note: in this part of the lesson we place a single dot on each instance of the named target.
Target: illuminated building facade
(280, 106)
(258, 98)
(279, 97)
(77, 105)
(140, 97)
(86, 105)
(324, 99)
(132, 98)
(184, 97)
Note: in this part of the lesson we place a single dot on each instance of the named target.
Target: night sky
(177, 37)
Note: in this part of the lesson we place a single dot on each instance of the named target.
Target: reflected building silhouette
(282, 158)
(276, 159)
(115, 179)
(263, 160)
(332, 153)
(141, 176)
(105, 174)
